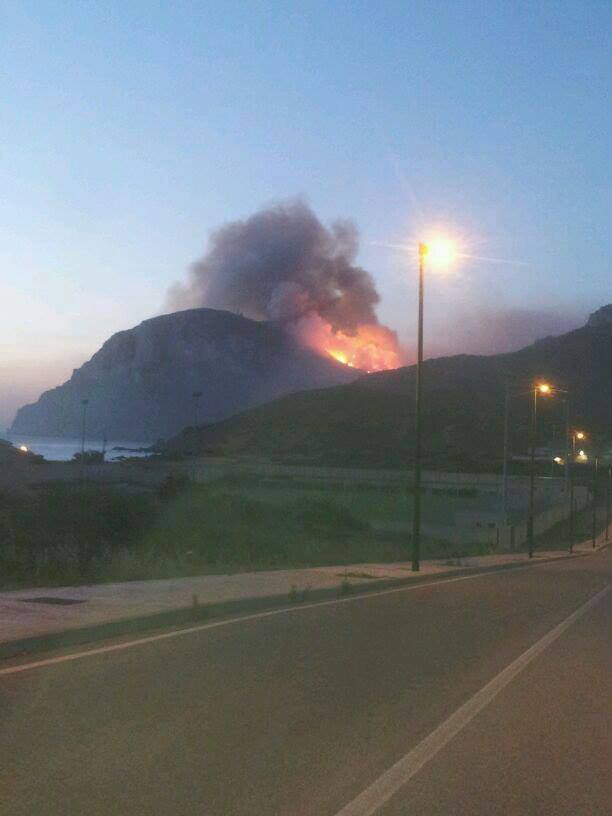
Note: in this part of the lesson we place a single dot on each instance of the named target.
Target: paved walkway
(22, 617)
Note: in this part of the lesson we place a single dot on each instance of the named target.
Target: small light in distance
(24, 448)
(544, 388)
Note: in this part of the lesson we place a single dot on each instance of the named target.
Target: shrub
(316, 515)
(62, 531)
(173, 485)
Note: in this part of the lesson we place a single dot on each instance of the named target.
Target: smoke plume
(282, 263)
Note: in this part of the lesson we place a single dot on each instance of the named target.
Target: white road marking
(379, 792)
(116, 647)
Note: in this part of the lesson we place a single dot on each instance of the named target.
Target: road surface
(482, 695)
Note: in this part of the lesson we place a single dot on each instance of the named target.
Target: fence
(490, 528)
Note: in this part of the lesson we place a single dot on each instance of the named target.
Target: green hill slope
(371, 422)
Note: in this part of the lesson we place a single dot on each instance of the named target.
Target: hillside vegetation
(371, 422)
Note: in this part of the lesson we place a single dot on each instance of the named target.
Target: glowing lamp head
(558, 460)
(544, 388)
(579, 435)
(440, 252)
(23, 448)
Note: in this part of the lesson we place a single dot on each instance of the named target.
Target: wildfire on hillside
(283, 264)
(371, 347)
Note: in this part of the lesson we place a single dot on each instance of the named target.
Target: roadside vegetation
(62, 533)
(80, 533)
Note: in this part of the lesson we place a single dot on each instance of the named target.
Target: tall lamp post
(439, 252)
(543, 389)
(84, 404)
(416, 510)
(594, 519)
(575, 435)
(506, 453)
(608, 480)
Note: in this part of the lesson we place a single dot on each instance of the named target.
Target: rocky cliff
(140, 385)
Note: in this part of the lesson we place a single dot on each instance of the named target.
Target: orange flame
(371, 348)
(341, 357)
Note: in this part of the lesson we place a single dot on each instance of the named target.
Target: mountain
(140, 384)
(371, 421)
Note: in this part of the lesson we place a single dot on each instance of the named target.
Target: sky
(130, 131)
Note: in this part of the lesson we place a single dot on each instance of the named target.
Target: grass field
(370, 505)
(87, 533)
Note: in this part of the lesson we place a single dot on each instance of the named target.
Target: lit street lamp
(539, 389)
(439, 252)
(575, 436)
(543, 389)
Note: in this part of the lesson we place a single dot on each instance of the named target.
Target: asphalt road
(300, 713)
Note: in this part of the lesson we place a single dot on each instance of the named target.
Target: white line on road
(128, 644)
(379, 792)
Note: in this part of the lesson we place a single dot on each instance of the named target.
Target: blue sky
(130, 130)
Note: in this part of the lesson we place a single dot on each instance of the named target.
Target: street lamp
(439, 252)
(84, 404)
(542, 389)
(538, 389)
(575, 434)
(608, 481)
(594, 519)
(506, 451)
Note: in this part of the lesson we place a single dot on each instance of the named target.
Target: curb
(189, 615)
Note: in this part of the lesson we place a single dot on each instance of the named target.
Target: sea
(62, 450)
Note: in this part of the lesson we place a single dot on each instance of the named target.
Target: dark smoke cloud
(282, 263)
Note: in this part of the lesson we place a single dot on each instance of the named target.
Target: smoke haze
(489, 330)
